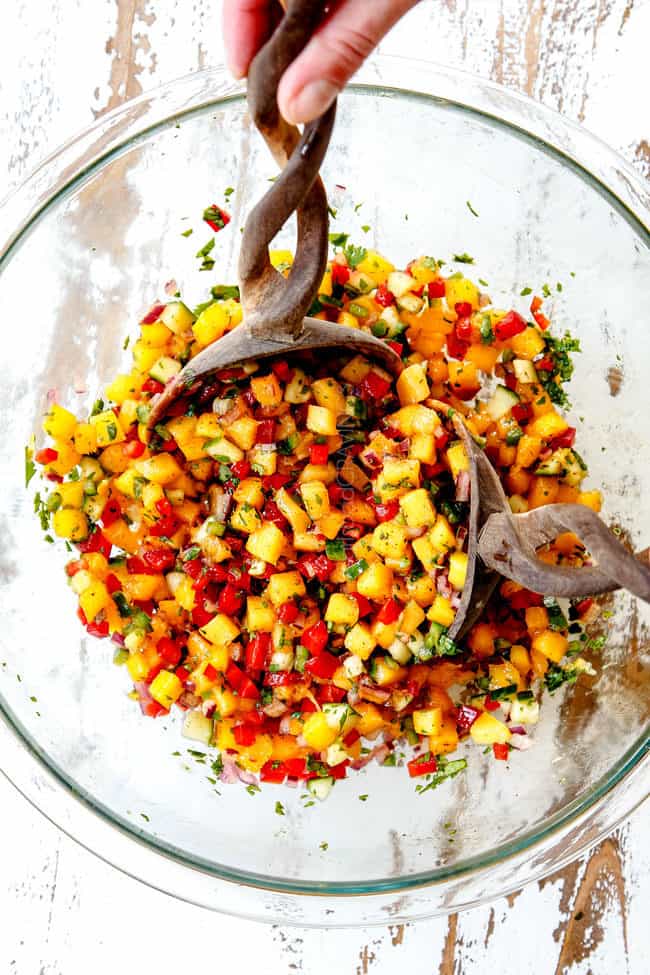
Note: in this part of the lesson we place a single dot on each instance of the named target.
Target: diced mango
(211, 324)
(266, 543)
(427, 721)
(70, 523)
(221, 630)
(328, 393)
(59, 423)
(389, 539)
(412, 385)
(488, 730)
(266, 390)
(442, 611)
(321, 420)
(548, 426)
(161, 469)
(376, 582)
(166, 688)
(284, 586)
(342, 609)
(417, 508)
(360, 641)
(550, 643)
(458, 562)
(260, 615)
(317, 731)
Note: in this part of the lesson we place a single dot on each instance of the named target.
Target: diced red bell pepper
(96, 542)
(584, 606)
(465, 718)
(146, 605)
(169, 650)
(164, 527)
(98, 629)
(566, 439)
(511, 324)
(535, 304)
(258, 651)
(542, 321)
(230, 601)
(112, 583)
(363, 603)
(151, 708)
(81, 616)
(296, 767)
(283, 371)
(491, 705)
(234, 676)
(134, 448)
(315, 638)
(182, 673)
(244, 734)
(272, 513)
(351, 737)
(153, 314)
(387, 510)
(221, 219)
(194, 568)
(501, 750)
(135, 565)
(340, 273)
(339, 771)
(422, 765)
(397, 347)
(374, 387)
(157, 560)
(545, 365)
(273, 482)
(523, 599)
(522, 413)
(456, 347)
(248, 691)
(463, 309)
(265, 431)
(319, 453)
(437, 288)
(163, 507)
(330, 694)
(201, 616)
(384, 297)
(338, 494)
(307, 706)
(76, 565)
(288, 612)
(389, 612)
(315, 567)
(241, 469)
(282, 678)
(56, 478)
(273, 772)
(323, 666)
(46, 456)
(152, 386)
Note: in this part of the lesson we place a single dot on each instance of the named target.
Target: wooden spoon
(274, 307)
(501, 543)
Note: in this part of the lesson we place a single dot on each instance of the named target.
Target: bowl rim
(57, 173)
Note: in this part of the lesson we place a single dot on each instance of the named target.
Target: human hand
(349, 33)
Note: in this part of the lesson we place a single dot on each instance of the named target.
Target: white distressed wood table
(64, 912)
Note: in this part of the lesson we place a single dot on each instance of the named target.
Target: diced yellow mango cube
(266, 543)
(442, 536)
(321, 420)
(245, 518)
(458, 562)
(221, 630)
(591, 499)
(295, 515)
(70, 523)
(459, 289)
(318, 472)
(342, 609)
(161, 469)
(59, 423)
(71, 493)
(360, 641)
(267, 390)
(386, 671)
(284, 586)
(375, 266)
(328, 393)
(412, 385)
(155, 335)
(425, 551)
(427, 721)
(548, 426)
(144, 356)
(185, 595)
(552, 644)
(94, 599)
(445, 740)
(355, 370)
(330, 524)
(260, 615)
(488, 730)
(184, 429)
(411, 618)
(315, 499)
(389, 539)
(417, 508)
(527, 344)
(457, 458)
(422, 590)
(376, 582)
(108, 428)
(317, 731)
(165, 688)
(85, 438)
(249, 491)
(423, 448)
(125, 386)
(244, 432)
(441, 611)
(263, 462)
(211, 324)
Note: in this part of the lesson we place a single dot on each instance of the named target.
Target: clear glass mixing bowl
(88, 242)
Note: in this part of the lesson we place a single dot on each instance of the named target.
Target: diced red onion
(455, 599)
(402, 447)
(370, 459)
(210, 606)
(374, 694)
(171, 288)
(461, 536)
(274, 709)
(378, 754)
(236, 652)
(229, 773)
(412, 532)
(52, 395)
(285, 725)
(208, 708)
(221, 406)
(518, 729)
(222, 506)
(521, 742)
(118, 639)
(442, 584)
(463, 486)
(248, 778)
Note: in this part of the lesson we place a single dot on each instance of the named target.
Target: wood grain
(69, 61)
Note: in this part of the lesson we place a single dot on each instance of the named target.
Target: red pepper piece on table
(46, 456)
(288, 612)
(456, 348)
(501, 750)
(463, 309)
(216, 218)
(156, 560)
(296, 767)
(363, 603)
(511, 324)
(566, 439)
(522, 412)
(230, 601)
(112, 583)
(422, 765)
(465, 718)
(241, 469)
(169, 650)
(248, 691)
(98, 629)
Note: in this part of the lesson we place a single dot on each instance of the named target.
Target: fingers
(333, 55)
(246, 25)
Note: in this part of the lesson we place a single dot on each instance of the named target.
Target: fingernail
(310, 102)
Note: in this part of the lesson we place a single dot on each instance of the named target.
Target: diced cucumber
(164, 369)
(335, 754)
(91, 468)
(525, 371)
(410, 303)
(177, 317)
(360, 283)
(524, 712)
(501, 403)
(337, 714)
(353, 666)
(197, 727)
(94, 506)
(282, 660)
(563, 463)
(399, 652)
(400, 283)
(320, 788)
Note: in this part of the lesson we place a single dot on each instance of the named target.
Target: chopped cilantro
(365, 227)
(339, 240)
(220, 291)
(463, 259)
(471, 208)
(355, 255)
(30, 466)
(279, 808)
(557, 676)
(526, 291)
(187, 233)
(446, 770)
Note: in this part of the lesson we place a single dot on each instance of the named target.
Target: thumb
(335, 52)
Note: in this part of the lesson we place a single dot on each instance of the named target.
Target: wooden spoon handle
(274, 307)
(507, 544)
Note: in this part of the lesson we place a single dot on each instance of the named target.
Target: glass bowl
(442, 163)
